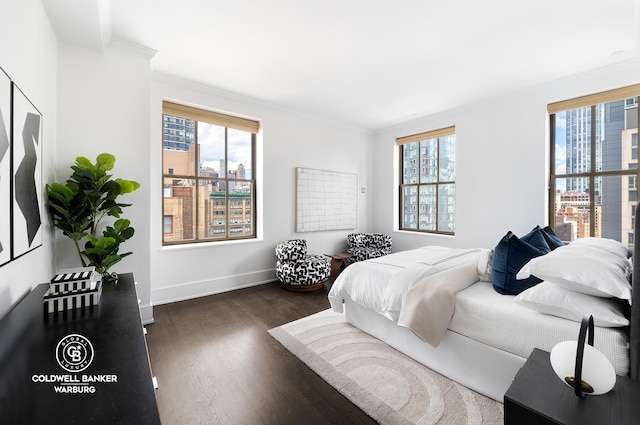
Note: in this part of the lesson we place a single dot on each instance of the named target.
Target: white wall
(502, 160)
(28, 55)
(103, 106)
(287, 140)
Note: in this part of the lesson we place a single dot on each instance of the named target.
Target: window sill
(435, 235)
(208, 245)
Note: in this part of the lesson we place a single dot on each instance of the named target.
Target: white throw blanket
(411, 279)
(429, 305)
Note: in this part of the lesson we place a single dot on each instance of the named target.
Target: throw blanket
(429, 305)
(387, 285)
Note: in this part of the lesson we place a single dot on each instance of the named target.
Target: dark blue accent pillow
(510, 255)
(552, 239)
(536, 238)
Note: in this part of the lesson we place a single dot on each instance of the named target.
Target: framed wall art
(27, 174)
(5, 168)
(325, 200)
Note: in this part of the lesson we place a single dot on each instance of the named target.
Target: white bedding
(381, 284)
(493, 319)
(480, 313)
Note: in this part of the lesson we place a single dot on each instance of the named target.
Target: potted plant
(79, 205)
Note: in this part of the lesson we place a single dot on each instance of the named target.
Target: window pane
(619, 195)
(618, 131)
(212, 150)
(447, 207)
(177, 133)
(181, 162)
(410, 163)
(429, 161)
(167, 224)
(428, 207)
(410, 202)
(211, 209)
(448, 158)
(571, 212)
(241, 210)
(179, 202)
(218, 221)
(239, 155)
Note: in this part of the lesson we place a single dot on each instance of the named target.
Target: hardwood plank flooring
(216, 363)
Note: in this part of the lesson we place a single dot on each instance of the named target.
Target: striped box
(74, 280)
(55, 302)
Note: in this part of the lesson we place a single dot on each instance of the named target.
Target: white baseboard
(189, 290)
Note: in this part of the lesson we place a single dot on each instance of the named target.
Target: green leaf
(127, 186)
(83, 162)
(105, 161)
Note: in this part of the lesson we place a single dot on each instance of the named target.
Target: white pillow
(609, 245)
(584, 269)
(484, 265)
(548, 298)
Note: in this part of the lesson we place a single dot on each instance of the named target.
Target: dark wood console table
(116, 385)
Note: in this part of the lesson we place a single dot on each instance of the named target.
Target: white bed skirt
(477, 366)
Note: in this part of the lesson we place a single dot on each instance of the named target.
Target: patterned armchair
(298, 270)
(363, 246)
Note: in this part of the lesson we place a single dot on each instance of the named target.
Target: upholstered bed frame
(634, 330)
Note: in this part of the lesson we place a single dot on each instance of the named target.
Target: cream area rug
(387, 385)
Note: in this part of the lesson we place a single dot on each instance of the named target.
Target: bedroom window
(594, 165)
(428, 187)
(208, 169)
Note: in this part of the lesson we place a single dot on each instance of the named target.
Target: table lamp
(581, 366)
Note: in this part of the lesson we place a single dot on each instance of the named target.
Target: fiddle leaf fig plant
(79, 206)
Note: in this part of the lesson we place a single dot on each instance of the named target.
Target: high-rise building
(578, 146)
(177, 133)
(616, 139)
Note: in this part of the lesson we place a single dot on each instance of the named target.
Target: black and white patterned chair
(298, 270)
(363, 246)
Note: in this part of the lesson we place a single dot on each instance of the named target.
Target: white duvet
(382, 284)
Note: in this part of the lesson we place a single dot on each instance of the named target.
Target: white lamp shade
(597, 370)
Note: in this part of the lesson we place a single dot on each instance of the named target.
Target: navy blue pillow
(510, 255)
(552, 239)
(536, 238)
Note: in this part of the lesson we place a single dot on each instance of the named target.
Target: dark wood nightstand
(537, 397)
(337, 263)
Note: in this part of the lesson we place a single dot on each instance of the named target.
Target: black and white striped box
(77, 279)
(55, 302)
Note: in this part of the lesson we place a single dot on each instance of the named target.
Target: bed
(438, 306)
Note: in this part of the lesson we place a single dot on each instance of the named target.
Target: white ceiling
(369, 63)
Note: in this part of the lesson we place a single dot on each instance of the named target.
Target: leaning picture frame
(26, 149)
(5, 168)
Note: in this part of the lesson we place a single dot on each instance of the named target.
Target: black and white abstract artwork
(27, 174)
(5, 168)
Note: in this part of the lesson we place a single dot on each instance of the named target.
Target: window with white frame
(209, 168)
(594, 165)
(428, 181)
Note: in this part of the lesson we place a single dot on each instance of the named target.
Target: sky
(561, 151)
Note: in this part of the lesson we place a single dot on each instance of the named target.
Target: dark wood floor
(216, 363)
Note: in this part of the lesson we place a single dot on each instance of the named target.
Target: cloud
(212, 149)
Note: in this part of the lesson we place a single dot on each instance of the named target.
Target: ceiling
(368, 63)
